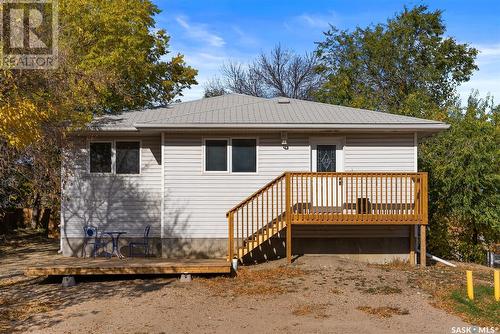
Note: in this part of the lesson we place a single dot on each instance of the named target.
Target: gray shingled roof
(243, 111)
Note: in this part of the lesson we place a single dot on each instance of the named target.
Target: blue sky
(210, 33)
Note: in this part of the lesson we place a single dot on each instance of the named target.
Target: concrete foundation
(375, 244)
(194, 248)
(73, 247)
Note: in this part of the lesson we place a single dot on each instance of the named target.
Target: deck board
(135, 266)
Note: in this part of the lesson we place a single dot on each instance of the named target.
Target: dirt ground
(317, 294)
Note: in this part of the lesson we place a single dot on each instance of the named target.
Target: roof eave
(382, 126)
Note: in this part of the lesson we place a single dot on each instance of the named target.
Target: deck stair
(259, 237)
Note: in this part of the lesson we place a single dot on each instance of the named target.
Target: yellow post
(496, 278)
(470, 286)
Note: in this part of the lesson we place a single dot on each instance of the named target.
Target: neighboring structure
(182, 168)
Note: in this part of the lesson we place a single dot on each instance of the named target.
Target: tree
(464, 169)
(279, 73)
(111, 59)
(214, 87)
(406, 66)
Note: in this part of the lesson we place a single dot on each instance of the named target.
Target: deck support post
(288, 217)
(68, 281)
(185, 278)
(425, 220)
(412, 245)
(423, 249)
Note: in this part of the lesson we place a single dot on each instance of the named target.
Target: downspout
(61, 209)
(162, 203)
(438, 259)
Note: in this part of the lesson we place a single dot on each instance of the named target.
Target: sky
(210, 33)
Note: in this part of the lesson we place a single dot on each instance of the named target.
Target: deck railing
(356, 198)
(350, 198)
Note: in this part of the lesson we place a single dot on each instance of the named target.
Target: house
(224, 176)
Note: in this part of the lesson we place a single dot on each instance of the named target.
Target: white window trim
(140, 156)
(339, 156)
(113, 156)
(228, 157)
(229, 166)
(415, 152)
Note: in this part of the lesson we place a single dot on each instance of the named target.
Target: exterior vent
(283, 100)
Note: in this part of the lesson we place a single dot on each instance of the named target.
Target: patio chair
(91, 237)
(144, 244)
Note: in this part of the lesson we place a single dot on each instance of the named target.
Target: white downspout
(162, 204)
(438, 259)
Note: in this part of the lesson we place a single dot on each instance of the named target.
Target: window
(128, 157)
(326, 158)
(216, 155)
(244, 155)
(100, 157)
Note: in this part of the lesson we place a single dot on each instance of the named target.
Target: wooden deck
(329, 198)
(135, 266)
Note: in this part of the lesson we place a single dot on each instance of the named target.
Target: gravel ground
(317, 294)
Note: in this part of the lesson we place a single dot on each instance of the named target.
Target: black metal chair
(144, 244)
(92, 238)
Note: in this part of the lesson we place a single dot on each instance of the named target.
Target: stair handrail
(230, 213)
(257, 193)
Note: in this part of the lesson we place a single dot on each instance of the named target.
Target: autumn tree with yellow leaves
(111, 58)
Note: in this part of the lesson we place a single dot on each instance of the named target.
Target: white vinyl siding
(125, 202)
(196, 203)
(380, 153)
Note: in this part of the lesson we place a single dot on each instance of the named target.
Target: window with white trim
(234, 155)
(216, 155)
(100, 157)
(128, 157)
(244, 155)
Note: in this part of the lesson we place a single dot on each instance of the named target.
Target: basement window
(100, 157)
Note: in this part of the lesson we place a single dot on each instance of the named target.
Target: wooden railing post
(230, 252)
(425, 199)
(288, 217)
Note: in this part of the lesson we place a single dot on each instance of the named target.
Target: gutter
(393, 126)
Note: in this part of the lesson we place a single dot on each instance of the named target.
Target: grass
(446, 285)
(383, 311)
(482, 310)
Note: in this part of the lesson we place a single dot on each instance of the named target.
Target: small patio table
(115, 237)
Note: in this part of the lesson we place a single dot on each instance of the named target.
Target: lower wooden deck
(129, 266)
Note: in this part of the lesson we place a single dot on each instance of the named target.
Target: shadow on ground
(23, 299)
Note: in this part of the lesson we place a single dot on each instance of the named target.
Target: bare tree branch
(279, 73)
